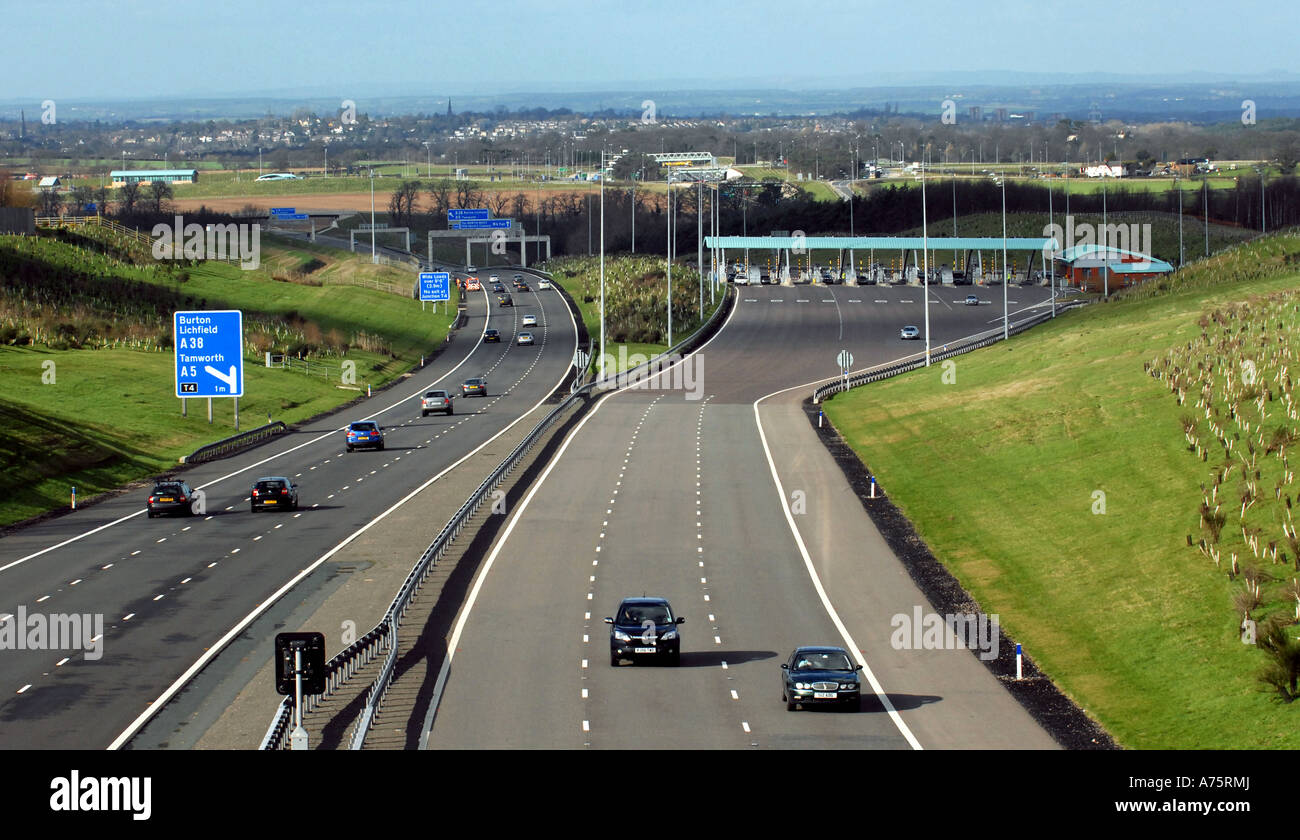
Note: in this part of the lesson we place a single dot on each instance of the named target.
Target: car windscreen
(826, 661)
(168, 490)
(363, 427)
(272, 486)
(436, 395)
(638, 614)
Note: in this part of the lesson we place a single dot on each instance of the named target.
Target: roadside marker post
(1019, 663)
(74, 498)
(873, 487)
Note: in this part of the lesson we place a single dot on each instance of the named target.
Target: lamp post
(925, 262)
(374, 257)
(602, 263)
(1006, 278)
(670, 259)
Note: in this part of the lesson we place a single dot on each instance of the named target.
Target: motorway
(720, 498)
(173, 591)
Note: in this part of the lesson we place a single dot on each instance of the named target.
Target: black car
(274, 491)
(820, 675)
(504, 300)
(170, 496)
(492, 335)
(644, 627)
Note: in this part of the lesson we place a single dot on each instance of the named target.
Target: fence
(307, 366)
(383, 638)
(974, 343)
(227, 445)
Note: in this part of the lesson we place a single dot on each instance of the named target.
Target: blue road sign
(283, 211)
(292, 217)
(209, 353)
(482, 224)
(435, 285)
(468, 214)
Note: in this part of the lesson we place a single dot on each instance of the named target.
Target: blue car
(365, 433)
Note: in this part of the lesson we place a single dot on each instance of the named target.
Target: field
(1056, 480)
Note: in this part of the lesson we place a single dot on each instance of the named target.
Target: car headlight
(848, 686)
(801, 686)
(620, 636)
(669, 636)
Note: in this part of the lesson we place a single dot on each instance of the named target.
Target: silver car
(909, 333)
(529, 321)
(525, 338)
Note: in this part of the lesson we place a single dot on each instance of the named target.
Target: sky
(129, 49)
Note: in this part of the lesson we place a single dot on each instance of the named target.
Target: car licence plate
(269, 502)
(824, 695)
(166, 499)
(646, 650)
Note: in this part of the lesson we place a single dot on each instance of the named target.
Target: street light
(602, 263)
(374, 257)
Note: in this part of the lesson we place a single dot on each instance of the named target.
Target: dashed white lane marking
(734, 695)
(159, 597)
(255, 539)
(187, 527)
(744, 725)
(24, 688)
(130, 616)
(42, 598)
(134, 553)
(75, 582)
(584, 694)
(586, 726)
(63, 660)
(584, 663)
(235, 550)
(717, 640)
(164, 539)
(106, 568)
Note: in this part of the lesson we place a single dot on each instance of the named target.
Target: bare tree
(160, 192)
(128, 195)
(519, 206)
(80, 197)
(51, 202)
(440, 197)
(498, 202)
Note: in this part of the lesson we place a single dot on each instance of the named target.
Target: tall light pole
(1006, 277)
(1052, 260)
(699, 239)
(374, 257)
(428, 160)
(925, 261)
(670, 259)
(1105, 263)
(1178, 184)
(602, 263)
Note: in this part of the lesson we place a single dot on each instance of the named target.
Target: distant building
(1086, 267)
(121, 177)
(49, 182)
(1106, 170)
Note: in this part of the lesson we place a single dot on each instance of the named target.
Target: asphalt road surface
(172, 590)
(674, 492)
